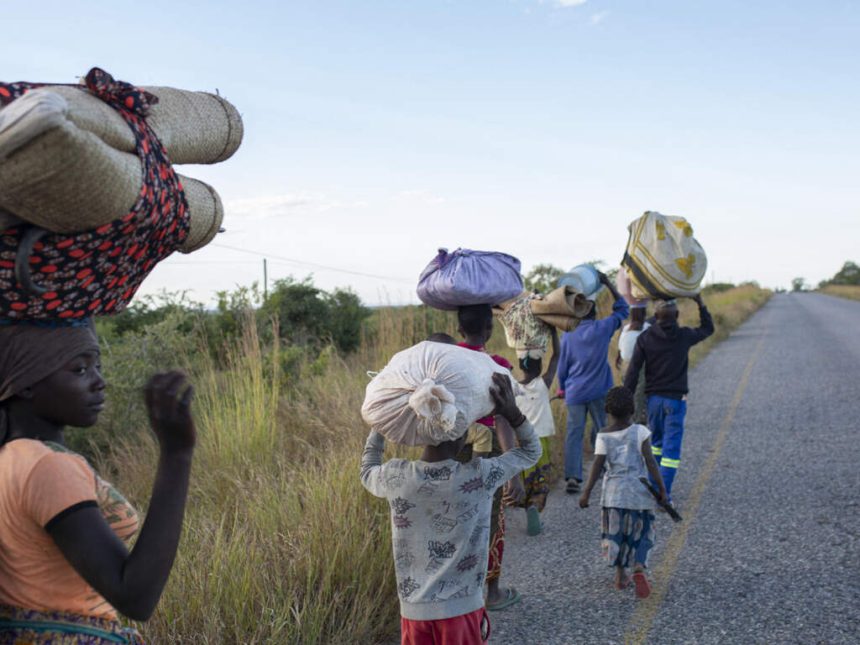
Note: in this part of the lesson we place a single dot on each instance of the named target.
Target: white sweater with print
(440, 522)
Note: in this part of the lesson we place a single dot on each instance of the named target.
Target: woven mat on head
(194, 127)
(528, 317)
(563, 308)
(98, 271)
(524, 332)
(69, 162)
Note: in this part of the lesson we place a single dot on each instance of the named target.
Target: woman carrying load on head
(65, 567)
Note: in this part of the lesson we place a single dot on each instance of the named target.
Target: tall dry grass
(852, 292)
(281, 543)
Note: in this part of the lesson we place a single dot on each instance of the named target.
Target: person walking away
(626, 344)
(584, 377)
(66, 565)
(664, 351)
(440, 525)
(534, 402)
(627, 518)
(476, 328)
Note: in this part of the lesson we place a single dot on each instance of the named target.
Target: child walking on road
(628, 507)
(476, 328)
(440, 524)
(534, 402)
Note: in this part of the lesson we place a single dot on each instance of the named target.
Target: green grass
(281, 542)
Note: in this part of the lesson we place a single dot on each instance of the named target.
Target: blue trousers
(576, 417)
(666, 422)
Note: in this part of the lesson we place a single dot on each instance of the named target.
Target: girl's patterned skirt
(628, 536)
(60, 628)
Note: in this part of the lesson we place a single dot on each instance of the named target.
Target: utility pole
(265, 281)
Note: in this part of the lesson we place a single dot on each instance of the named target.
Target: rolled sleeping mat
(194, 127)
(58, 176)
(206, 212)
(67, 180)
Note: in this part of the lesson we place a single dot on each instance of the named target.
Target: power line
(200, 262)
(312, 265)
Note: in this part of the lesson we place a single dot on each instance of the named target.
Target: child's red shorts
(468, 629)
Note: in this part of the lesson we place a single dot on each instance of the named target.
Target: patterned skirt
(536, 478)
(29, 627)
(627, 536)
(497, 538)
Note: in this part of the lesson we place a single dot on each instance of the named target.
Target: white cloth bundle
(430, 393)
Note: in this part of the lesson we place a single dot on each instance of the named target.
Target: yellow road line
(646, 610)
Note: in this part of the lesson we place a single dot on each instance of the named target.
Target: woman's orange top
(38, 482)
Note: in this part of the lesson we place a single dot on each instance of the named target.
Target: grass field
(851, 292)
(281, 542)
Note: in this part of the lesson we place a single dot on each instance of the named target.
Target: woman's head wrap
(30, 353)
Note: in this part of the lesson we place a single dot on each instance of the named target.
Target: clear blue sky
(379, 131)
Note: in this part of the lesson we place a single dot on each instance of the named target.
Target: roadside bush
(717, 287)
(310, 316)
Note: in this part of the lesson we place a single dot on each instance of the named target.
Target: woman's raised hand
(503, 396)
(168, 401)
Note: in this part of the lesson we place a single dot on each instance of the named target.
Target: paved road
(770, 489)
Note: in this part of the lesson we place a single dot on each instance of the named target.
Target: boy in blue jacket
(664, 349)
(585, 377)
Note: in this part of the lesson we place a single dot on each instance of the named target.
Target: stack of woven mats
(89, 199)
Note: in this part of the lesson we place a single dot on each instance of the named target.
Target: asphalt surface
(769, 487)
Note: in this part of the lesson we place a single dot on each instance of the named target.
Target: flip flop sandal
(533, 523)
(512, 597)
(643, 588)
(572, 487)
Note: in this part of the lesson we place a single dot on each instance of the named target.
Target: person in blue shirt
(585, 377)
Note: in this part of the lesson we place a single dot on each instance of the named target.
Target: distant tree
(848, 274)
(307, 315)
(234, 309)
(346, 315)
(543, 278)
(798, 284)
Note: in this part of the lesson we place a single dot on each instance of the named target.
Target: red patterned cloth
(497, 515)
(97, 272)
(497, 541)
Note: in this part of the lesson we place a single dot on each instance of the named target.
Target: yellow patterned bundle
(663, 259)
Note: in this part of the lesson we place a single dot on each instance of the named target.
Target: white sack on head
(430, 393)
(435, 404)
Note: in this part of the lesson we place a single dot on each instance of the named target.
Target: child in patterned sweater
(440, 519)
